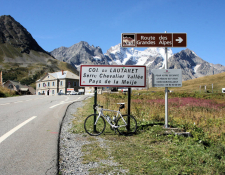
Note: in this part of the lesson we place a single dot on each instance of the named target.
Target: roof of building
(62, 75)
(59, 74)
(21, 87)
(16, 84)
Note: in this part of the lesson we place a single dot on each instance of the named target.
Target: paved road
(29, 127)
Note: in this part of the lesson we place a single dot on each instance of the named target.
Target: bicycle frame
(95, 124)
(102, 114)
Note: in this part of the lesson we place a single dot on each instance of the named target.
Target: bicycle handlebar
(122, 105)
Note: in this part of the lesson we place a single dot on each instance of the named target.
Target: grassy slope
(66, 66)
(149, 151)
(194, 85)
(28, 65)
(5, 92)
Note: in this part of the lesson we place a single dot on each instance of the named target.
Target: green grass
(5, 92)
(25, 73)
(67, 66)
(150, 151)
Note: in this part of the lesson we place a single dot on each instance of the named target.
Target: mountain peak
(84, 43)
(13, 33)
(6, 17)
(189, 52)
(80, 53)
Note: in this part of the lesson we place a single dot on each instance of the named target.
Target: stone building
(57, 83)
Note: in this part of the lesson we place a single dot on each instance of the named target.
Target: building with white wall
(57, 82)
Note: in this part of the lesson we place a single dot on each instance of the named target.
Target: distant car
(123, 89)
(74, 93)
(60, 93)
(114, 89)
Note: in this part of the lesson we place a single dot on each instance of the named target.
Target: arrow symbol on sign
(179, 40)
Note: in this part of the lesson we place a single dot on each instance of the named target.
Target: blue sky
(56, 23)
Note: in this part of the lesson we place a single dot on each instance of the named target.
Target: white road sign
(112, 76)
(166, 78)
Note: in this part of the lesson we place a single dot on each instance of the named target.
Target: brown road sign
(154, 40)
(179, 40)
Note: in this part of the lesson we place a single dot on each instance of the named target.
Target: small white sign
(80, 90)
(223, 90)
(166, 78)
(112, 76)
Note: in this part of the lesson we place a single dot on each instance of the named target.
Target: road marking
(5, 136)
(18, 101)
(5, 104)
(23, 101)
(55, 105)
(63, 102)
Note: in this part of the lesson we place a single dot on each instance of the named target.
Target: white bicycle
(95, 124)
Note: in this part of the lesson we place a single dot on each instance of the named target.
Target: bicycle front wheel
(127, 125)
(91, 128)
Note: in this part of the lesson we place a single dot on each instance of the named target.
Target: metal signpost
(167, 78)
(154, 40)
(158, 40)
(112, 76)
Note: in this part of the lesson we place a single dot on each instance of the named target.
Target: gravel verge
(70, 145)
(70, 161)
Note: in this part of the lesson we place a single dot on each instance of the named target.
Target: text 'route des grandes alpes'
(117, 76)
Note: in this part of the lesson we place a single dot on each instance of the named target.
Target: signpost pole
(129, 99)
(95, 104)
(212, 88)
(166, 92)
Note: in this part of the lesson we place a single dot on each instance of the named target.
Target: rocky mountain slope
(192, 65)
(17, 44)
(125, 56)
(154, 58)
(20, 54)
(80, 53)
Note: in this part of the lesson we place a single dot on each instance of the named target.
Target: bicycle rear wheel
(94, 130)
(126, 129)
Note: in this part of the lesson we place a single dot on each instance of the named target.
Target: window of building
(39, 85)
(43, 84)
(48, 83)
(10, 86)
(53, 92)
(53, 83)
(61, 83)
